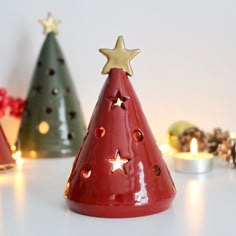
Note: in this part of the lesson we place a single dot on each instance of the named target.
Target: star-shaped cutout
(119, 57)
(50, 24)
(118, 100)
(118, 162)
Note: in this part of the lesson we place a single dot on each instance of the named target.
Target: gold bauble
(175, 130)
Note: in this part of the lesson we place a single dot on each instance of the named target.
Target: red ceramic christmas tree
(6, 160)
(119, 170)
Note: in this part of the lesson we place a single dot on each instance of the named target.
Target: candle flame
(194, 146)
(16, 155)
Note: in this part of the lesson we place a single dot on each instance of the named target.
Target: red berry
(4, 102)
(10, 99)
(2, 113)
(3, 92)
(14, 106)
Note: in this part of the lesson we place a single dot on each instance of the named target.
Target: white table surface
(32, 203)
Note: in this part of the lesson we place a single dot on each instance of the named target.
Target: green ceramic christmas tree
(52, 124)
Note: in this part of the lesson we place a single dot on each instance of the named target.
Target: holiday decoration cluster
(119, 170)
(15, 105)
(218, 142)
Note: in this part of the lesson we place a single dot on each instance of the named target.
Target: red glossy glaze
(6, 160)
(142, 185)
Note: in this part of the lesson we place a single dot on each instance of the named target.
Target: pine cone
(190, 133)
(216, 138)
(227, 151)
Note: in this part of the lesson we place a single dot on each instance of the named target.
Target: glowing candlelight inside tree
(6, 161)
(16, 155)
(118, 162)
(193, 161)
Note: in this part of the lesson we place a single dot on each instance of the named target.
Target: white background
(186, 68)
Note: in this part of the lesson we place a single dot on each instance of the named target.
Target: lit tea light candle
(193, 161)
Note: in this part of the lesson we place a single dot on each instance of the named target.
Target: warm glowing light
(5, 179)
(194, 146)
(233, 135)
(118, 102)
(67, 190)
(43, 127)
(118, 162)
(33, 153)
(13, 148)
(17, 157)
(194, 202)
(19, 190)
(19, 162)
(164, 148)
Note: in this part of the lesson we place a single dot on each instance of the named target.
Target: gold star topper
(50, 24)
(119, 57)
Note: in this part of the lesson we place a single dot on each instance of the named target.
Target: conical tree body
(140, 184)
(52, 123)
(6, 160)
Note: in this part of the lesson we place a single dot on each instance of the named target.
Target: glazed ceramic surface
(52, 123)
(6, 160)
(119, 170)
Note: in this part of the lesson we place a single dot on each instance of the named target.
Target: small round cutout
(38, 88)
(55, 91)
(157, 170)
(72, 115)
(100, 132)
(43, 127)
(39, 64)
(51, 72)
(48, 110)
(61, 61)
(86, 172)
(68, 90)
(138, 135)
(70, 136)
